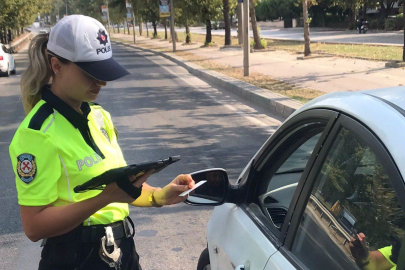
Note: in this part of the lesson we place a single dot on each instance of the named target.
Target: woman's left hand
(170, 193)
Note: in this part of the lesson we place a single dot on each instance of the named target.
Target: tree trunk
(256, 34)
(188, 34)
(226, 21)
(147, 30)
(165, 28)
(240, 24)
(154, 29)
(307, 50)
(118, 28)
(140, 28)
(208, 36)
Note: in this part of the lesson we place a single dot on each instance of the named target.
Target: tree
(386, 7)
(225, 10)
(210, 10)
(307, 50)
(149, 10)
(256, 33)
(187, 11)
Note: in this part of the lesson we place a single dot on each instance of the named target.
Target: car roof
(381, 110)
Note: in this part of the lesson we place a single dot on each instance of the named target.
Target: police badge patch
(26, 167)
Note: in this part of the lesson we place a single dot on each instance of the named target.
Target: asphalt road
(159, 110)
(394, 38)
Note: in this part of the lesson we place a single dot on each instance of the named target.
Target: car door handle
(240, 267)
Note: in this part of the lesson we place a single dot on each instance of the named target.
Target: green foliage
(392, 24)
(264, 43)
(274, 9)
(20, 13)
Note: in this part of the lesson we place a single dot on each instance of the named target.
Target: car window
(4, 49)
(352, 196)
(280, 176)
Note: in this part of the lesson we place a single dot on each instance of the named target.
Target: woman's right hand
(359, 248)
(112, 193)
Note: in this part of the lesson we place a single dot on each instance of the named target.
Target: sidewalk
(330, 74)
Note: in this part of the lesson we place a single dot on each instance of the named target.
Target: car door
(245, 236)
(353, 188)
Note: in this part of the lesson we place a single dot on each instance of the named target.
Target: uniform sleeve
(113, 133)
(386, 252)
(36, 166)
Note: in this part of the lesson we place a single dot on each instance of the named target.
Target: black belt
(94, 233)
(120, 229)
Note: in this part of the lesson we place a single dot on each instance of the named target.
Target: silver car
(326, 191)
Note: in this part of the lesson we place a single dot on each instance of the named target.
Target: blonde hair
(38, 73)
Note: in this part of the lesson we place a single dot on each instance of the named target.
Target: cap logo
(102, 37)
(26, 167)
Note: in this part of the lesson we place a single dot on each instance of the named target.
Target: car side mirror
(214, 189)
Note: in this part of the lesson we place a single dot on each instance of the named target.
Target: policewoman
(64, 141)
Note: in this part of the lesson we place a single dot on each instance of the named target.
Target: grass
(384, 53)
(264, 81)
(378, 53)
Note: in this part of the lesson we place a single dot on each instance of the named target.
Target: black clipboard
(97, 183)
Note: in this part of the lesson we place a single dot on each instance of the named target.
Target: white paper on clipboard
(195, 186)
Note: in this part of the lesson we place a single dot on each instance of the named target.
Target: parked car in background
(221, 25)
(214, 25)
(333, 169)
(7, 63)
(44, 31)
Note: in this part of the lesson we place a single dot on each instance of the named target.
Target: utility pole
(246, 38)
(172, 25)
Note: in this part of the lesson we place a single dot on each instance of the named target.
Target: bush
(399, 23)
(394, 24)
(373, 24)
(389, 24)
(264, 43)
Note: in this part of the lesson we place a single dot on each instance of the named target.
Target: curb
(395, 64)
(275, 103)
(20, 42)
(313, 56)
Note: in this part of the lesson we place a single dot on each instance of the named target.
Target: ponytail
(38, 73)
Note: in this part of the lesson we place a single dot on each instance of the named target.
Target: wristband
(152, 201)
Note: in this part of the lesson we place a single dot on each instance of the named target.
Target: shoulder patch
(26, 167)
(40, 116)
